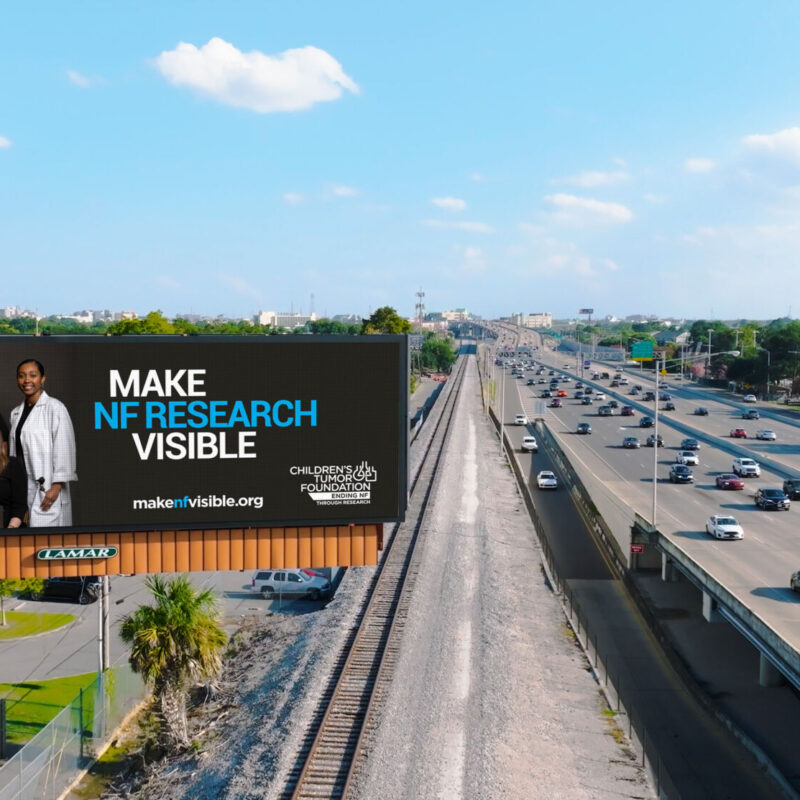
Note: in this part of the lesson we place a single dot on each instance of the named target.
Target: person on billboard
(13, 485)
(43, 437)
(3, 435)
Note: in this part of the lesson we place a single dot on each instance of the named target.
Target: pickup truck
(746, 468)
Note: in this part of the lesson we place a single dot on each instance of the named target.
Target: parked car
(738, 433)
(766, 435)
(631, 443)
(529, 444)
(82, 589)
(728, 481)
(646, 422)
(792, 487)
(626, 411)
(701, 411)
(680, 473)
(749, 398)
(686, 457)
(751, 413)
(722, 527)
(690, 444)
(290, 582)
(546, 480)
(652, 438)
(772, 499)
(584, 427)
(746, 468)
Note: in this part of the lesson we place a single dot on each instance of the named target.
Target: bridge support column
(768, 675)
(710, 613)
(669, 572)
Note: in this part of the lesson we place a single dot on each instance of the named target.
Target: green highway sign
(642, 351)
(69, 553)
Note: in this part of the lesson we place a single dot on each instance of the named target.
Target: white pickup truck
(746, 468)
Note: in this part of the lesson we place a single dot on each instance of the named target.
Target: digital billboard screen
(137, 432)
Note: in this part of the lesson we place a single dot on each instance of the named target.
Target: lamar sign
(65, 554)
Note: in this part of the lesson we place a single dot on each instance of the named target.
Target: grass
(29, 623)
(32, 704)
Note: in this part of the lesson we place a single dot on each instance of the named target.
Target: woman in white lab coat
(42, 433)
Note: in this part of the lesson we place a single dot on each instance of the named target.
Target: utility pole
(420, 308)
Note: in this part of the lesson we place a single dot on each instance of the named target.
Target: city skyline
(232, 160)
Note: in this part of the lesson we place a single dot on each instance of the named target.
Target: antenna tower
(420, 308)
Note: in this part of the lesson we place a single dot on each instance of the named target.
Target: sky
(209, 158)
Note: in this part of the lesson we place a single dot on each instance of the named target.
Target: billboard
(589, 311)
(164, 432)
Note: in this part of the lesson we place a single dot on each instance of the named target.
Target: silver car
(290, 582)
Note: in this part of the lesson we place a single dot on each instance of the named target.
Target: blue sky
(522, 157)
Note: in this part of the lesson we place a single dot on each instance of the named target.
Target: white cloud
(449, 203)
(473, 260)
(471, 227)
(293, 198)
(589, 180)
(783, 145)
(344, 191)
(240, 286)
(478, 177)
(168, 282)
(81, 80)
(610, 265)
(586, 212)
(698, 165)
(654, 198)
(4, 142)
(290, 81)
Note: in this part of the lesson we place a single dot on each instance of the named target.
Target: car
(626, 411)
(555, 403)
(530, 382)
(290, 582)
(520, 419)
(738, 433)
(561, 393)
(612, 404)
(579, 385)
(595, 376)
(578, 395)
(686, 457)
(791, 486)
(649, 396)
(631, 443)
(545, 393)
(614, 383)
(546, 480)
(599, 396)
(669, 406)
(587, 401)
(701, 411)
(746, 468)
(724, 527)
(552, 372)
(680, 473)
(529, 444)
(652, 439)
(541, 380)
(772, 499)
(588, 390)
(82, 589)
(664, 396)
(794, 582)
(646, 422)
(624, 381)
(605, 411)
(635, 390)
(690, 444)
(751, 413)
(584, 427)
(728, 481)
(766, 435)
(605, 376)
(749, 398)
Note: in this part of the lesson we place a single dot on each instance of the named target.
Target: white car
(722, 527)
(520, 419)
(529, 444)
(600, 396)
(749, 398)
(767, 436)
(687, 457)
(546, 480)
(746, 467)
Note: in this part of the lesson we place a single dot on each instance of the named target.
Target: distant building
(15, 312)
(538, 319)
(456, 315)
(348, 319)
(284, 319)
(671, 337)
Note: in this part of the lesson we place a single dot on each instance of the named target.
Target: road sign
(587, 363)
(637, 548)
(642, 351)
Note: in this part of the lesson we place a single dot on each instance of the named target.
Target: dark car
(555, 403)
(626, 411)
(680, 473)
(701, 411)
(651, 440)
(84, 589)
(545, 393)
(729, 481)
(613, 404)
(649, 396)
(690, 444)
(669, 406)
(530, 382)
(630, 443)
(772, 499)
(665, 396)
(791, 487)
(751, 413)
(646, 422)
(584, 427)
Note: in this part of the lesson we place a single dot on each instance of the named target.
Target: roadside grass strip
(31, 705)
(30, 623)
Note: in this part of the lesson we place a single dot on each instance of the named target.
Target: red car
(626, 411)
(738, 433)
(729, 481)
(562, 393)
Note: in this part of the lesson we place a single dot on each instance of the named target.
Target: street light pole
(708, 368)
(655, 449)
(768, 367)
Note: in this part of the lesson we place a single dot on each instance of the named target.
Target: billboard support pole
(100, 635)
(106, 624)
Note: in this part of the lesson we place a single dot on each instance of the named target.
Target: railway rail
(334, 746)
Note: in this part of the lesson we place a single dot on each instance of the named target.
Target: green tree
(175, 642)
(385, 320)
(154, 323)
(327, 327)
(12, 586)
(437, 354)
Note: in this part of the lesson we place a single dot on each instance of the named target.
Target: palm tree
(175, 642)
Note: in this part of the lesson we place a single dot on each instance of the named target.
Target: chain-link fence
(68, 744)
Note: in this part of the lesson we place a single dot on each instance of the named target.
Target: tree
(437, 354)
(12, 586)
(385, 320)
(175, 642)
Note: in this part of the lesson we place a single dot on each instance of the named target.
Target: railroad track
(333, 748)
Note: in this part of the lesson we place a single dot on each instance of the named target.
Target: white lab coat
(48, 447)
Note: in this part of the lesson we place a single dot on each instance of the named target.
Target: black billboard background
(360, 385)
